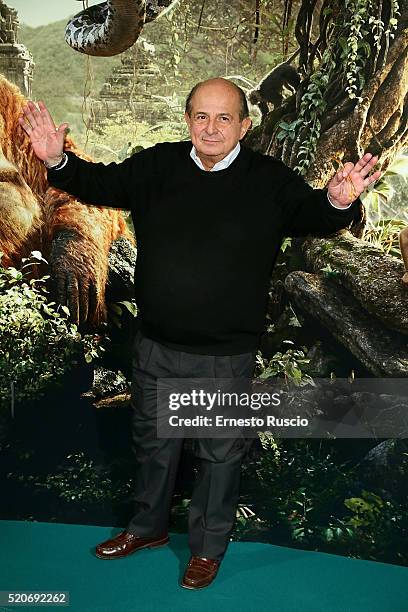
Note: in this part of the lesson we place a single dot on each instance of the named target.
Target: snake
(113, 26)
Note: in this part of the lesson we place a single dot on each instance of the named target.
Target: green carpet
(253, 576)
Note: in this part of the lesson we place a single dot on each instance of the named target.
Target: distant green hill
(60, 73)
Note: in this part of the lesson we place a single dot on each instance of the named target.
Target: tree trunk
(353, 97)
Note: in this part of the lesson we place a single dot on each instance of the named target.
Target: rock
(372, 276)
(320, 364)
(386, 465)
(122, 261)
(383, 351)
(16, 62)
(339, 407)
(107, 383)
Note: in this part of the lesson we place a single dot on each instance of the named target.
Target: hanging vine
(348, 36)
(87, 114)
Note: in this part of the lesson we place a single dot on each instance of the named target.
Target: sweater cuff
(60, 164)
(338, 207)
(58, 176)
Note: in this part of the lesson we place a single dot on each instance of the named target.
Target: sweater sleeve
(308, 211)
(113, 184)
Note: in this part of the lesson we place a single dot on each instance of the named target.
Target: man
(209, 216)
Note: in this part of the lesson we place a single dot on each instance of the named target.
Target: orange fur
(31, 211)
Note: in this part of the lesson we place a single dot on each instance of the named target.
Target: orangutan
(73, 237)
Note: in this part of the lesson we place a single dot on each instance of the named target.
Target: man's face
(214, 124)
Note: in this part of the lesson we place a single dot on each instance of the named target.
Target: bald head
(221, 87)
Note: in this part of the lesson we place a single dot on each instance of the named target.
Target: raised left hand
(341, 191)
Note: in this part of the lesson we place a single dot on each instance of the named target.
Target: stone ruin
(135, 85)
(16, 62)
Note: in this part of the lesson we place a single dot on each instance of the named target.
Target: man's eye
(225, 119)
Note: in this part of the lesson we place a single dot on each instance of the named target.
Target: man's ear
(187, 118)
(246, 125)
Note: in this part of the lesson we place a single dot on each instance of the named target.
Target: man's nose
(211, 126)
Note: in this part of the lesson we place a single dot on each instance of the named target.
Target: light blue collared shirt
(220, 165)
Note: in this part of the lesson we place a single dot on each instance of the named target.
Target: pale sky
(40, 12)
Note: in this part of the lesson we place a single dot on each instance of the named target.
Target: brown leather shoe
(126, 543)
(200, 572)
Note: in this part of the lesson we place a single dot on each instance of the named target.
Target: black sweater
(207, 241)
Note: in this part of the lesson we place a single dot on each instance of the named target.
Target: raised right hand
(46, 139)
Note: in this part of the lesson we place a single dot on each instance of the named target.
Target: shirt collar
(220, 165)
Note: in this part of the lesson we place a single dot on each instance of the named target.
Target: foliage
(286, 243)
(349, 49)
(312, 107)
(38, 344)
(378, 200)
(200, 41)
(385, 220)
(385, 235)
(118, 136)
(289, 364)
(80, 480)
(329, 272)
(375, 526)
(117, 309)
(305, 495)
(359, 11)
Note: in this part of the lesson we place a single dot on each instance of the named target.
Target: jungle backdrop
(65, 441)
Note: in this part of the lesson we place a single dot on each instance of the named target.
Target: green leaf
(38, 255)
(398, 167)
(65, 309)
(328, 533)
(130, 306)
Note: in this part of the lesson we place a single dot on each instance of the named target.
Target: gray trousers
(216, 488)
